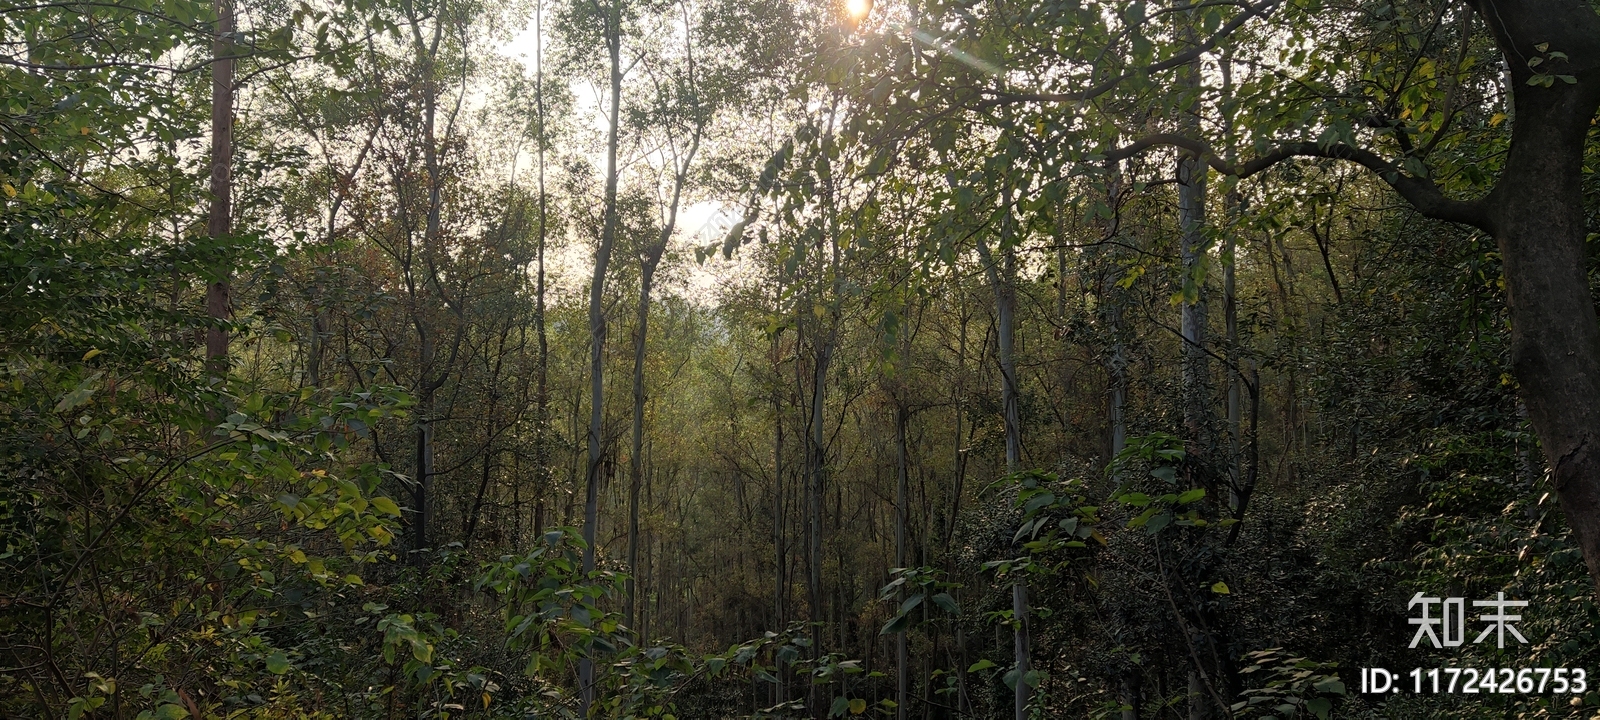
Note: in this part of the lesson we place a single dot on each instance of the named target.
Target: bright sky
(699, 223)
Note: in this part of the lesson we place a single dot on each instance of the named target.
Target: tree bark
(219, 218)
(597, 326)
(1000, 279)
(1536, 215)
(902, 653)
(542, 399)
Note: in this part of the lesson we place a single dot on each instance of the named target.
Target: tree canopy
(707, 359)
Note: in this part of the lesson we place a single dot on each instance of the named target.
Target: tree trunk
(779, 557)
(818, 483)
(1000, 280)
(902, 653)
(1536, 214)
(542, 399)
(1194, 314)
(597, 327)
(647, 272)
(219, 219)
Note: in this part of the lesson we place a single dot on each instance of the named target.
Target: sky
(699, 223)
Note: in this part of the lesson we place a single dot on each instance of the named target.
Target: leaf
(277, 664)
(1331, 685)
(841, 705)
(386, 506)
(1135, 499)
(858, 706)
(1167, 474)
(1158, 522)
(980, 665)
(171, 711)
(88, 355)
(1220, 588)
(947, 603)
(1320, 707)
(1191, 496)
(78, 395)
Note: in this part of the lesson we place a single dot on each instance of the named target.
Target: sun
(858, 8)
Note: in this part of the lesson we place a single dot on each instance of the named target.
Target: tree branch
(1420, 192)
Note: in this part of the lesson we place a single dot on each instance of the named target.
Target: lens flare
(858, 8)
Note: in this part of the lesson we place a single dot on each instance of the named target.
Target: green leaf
(1220, 588)
(80, 394)
(170, 711)
(980, 665)
(385, 506)
(1166, 474)
(1158, 522)
(1331, 685)
(841, 705)
(947, 603)
(1191, 496)
(1135, 499)
(277, 664)
(858, 706)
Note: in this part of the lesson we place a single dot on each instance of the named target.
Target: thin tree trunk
(597, 327)
(1000, 280)
(779, 558)
(902, 652)
(1192, 175)
(647, 272)
(542, 417)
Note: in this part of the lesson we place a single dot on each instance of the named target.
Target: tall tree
(219, 220)
(612, 36)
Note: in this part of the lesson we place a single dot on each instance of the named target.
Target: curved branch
(1420, 192)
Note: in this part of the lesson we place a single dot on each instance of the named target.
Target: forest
(702, 359)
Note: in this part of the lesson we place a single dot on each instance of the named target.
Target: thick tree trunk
(1536, 216)
(219, 219)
